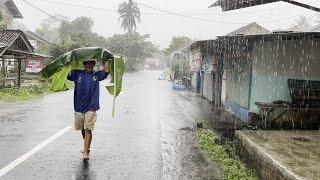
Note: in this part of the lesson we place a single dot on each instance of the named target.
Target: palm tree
(129, 14)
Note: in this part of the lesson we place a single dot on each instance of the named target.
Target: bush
(23, 93)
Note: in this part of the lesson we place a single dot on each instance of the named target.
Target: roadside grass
(24, 93)
(27, 91)
(232, 168)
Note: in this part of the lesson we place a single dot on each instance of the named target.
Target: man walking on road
(86, 100)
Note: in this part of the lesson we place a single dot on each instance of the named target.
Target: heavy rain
(160, 90)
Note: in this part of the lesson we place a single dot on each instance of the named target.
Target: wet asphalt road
(143, 141)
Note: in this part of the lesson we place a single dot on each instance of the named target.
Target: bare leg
(87, 142)
(83, 133)
(83, 136)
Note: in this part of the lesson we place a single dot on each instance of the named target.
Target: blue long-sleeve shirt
(86, 91)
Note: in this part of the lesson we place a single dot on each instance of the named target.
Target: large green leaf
(117, 70)
(75, 58)
(59, 80)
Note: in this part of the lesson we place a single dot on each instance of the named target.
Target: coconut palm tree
(129, 15)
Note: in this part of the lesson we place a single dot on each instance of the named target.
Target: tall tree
(129, 15)
(134, 47)
(177, 43)
(81, 25)
(75, 34)
(49, 28)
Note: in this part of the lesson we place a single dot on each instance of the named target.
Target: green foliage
(177, 43)
(67, 36)
(233, 169)
(49, 28)
(135, 47)
(24, 93)
(74, 41)
(129, 15)
(80, 26)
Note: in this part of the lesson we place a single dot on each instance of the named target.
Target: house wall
(237, 86)
(7, 17)
(238, 81)
(207, 73)
(207, 88)
(195, 59)
(275, 62)
(195, 81)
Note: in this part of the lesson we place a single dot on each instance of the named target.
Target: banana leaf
(115, 85)
(58, 82)
(58, 70)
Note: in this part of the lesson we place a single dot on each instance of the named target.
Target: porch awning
(24, 54)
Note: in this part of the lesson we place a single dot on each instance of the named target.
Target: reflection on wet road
(143, 141)
(83, 171)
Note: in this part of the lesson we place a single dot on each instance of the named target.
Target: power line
(186, 16)
(75, 5)
(113, 10)
(35, 7)
(177, 14)
(164, 12)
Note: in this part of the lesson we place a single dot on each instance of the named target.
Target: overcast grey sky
(163, 27)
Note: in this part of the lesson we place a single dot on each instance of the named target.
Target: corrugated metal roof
(250, 29)
(7, 37)
(228, 5)
(217, 3)
(222, 41)
(279, 36)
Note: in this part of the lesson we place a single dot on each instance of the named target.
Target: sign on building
(195, 61)
(34, 65)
